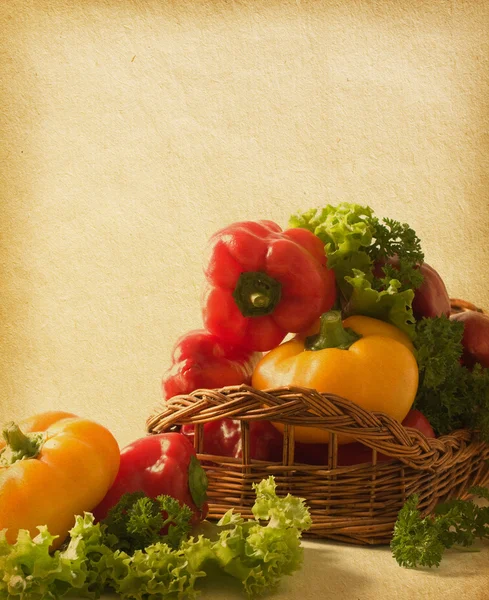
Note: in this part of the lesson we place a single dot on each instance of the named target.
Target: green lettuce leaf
(92, 562)
(30, 571)
(157, 571)
(358, 246)
(259, 556)
(346, 231)
(389, 305)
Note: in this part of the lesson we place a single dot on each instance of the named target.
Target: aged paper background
(132, 130)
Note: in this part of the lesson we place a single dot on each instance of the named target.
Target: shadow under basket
(355, 504)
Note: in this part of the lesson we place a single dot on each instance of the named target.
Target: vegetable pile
(384, 337)
(380, 272)
(342, 302)
(114, 555)
(79, 517)
(262, 285)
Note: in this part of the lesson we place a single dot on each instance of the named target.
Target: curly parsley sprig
(449, 395)
(421, 541)
(137, 521)
(394, 239)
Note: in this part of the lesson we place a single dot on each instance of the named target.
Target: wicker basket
(355, 504)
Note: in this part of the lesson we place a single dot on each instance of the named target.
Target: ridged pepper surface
(53, 466)
(263, 283)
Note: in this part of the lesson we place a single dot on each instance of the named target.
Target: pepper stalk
(331, 333)
(19, 446)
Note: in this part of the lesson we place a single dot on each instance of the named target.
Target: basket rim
(300, 406)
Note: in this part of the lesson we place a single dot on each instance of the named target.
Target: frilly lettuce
(28, 570)
(358, 246)
(389, 305)
(260, 555)
(257, 555)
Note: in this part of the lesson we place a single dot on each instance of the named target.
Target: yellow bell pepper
(362, 359)
(59, 466)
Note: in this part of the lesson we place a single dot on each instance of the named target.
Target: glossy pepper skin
(263, 283)
(365, 360)
(202, 360)
(223, 438)
(164, 463)
(54, 466)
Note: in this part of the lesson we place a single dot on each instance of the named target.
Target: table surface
(345, 572)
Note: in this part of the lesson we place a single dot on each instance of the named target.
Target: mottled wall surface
(131, 130)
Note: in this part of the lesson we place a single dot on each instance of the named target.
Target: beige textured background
(132, 130)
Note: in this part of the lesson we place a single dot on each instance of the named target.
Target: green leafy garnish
(260, 555)
(375, 261)
(449, 395)
(421, 541)
(389, 305)
(138, 521)
(392, 238)
(347, 231)
(94, 561)
(28, 570)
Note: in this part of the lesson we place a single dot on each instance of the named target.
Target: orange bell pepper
(364, 360)
(57, 467)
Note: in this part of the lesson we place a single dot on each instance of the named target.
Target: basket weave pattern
(355, 504)
(358, 503)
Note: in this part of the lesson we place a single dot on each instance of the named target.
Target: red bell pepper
(223, 438)
(201, 360)
(164, 463)
(263, 283)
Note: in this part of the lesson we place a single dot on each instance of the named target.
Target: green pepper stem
(331, 334)
(19, 446)
(259, 300)
(256, 293)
